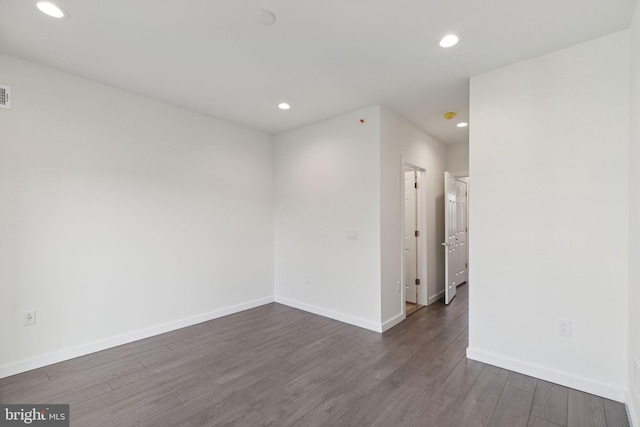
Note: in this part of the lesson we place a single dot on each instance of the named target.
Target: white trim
(435, 298)
(352, 320)
(393, 322)
(92, 347)
(423, 239)
(633, 417)
(422, 249)
(587, 385)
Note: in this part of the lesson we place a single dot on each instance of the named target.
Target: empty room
(342, 213)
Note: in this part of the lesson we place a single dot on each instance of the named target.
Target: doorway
(462, 196)
(456, 232)
(412, 256)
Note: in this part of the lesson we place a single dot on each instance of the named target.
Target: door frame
(421, 204)
(455, 177)
(465, 175)
(450, 223)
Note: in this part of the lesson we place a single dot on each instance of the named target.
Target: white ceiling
(324, 57)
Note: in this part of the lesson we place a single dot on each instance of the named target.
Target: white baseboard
(393, 322)
(435, 298)
(352, 320)
(568, 380)
(633, 415)
(92, 347)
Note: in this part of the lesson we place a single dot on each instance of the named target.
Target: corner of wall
(458, 158)
(146, 200)
(633, 393)
(403, 142)
(327, 185)
(511, 316)
(634, 421)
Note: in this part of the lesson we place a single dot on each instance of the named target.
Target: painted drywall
(548, 220)
(458, 158)
(402, 142)
(122, 217)
(633, 397)
(327, 179)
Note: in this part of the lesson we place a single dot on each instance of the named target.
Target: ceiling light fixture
(51, 9)
(284, 106)
(449, 40)
(462, 125)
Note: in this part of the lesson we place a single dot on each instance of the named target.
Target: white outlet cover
(564, 327)
(28, 317)
(352, 233)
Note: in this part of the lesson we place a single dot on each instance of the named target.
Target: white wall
(341, 174)
(548, 220)
(122, 217)
(402, 142)
(458, 158)
(327, 179)
(634, 218)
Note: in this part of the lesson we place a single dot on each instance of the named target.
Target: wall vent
(5, 97)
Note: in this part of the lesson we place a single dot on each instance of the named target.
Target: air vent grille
(5, 97)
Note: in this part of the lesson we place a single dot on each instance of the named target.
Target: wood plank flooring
(411, 307)
(278, 366)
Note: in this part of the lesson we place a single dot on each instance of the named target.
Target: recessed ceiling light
(284, 106)
(462, 125)
(449, 40)
(51, 9)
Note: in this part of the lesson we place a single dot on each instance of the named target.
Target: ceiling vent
(5, 97)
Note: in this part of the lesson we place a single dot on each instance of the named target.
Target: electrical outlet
(352, 233)
(564, 327)
(28, 317)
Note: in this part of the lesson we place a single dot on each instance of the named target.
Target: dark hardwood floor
(411, 307)
(279, 366)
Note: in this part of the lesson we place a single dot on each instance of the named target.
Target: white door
(450, 244)
(461, 232)
(410, 240)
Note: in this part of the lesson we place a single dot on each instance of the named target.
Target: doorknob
(445, 244)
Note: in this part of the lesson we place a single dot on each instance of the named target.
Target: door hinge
(466, 229)
(415, 185)
(417, 281)
(466, 265)
(417, 233)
